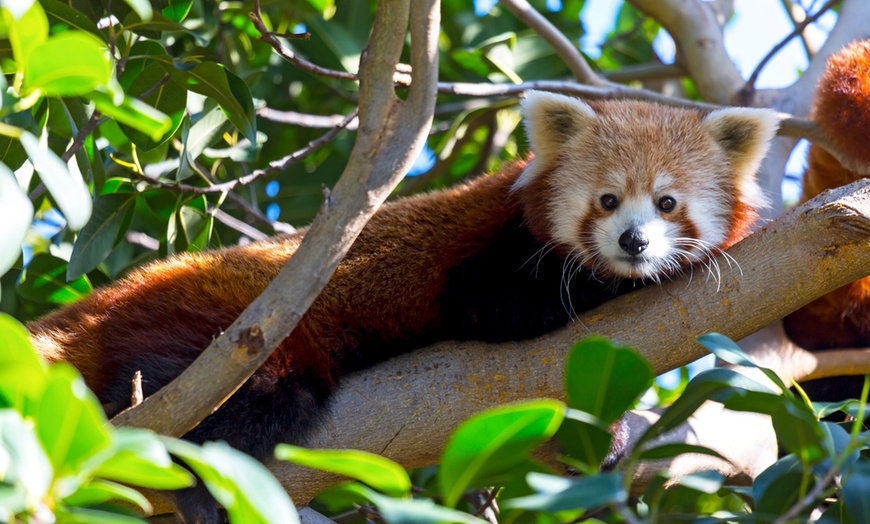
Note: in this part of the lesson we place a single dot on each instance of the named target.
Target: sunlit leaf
(70, 421)
(66, 186)
(22, 372)
(214, 81)
(27, 30)
(16, 214)
(410, 511)
(620, 377)
(101, 491)
(376, 471)
(71, 63)
(133, 113)
(491, 443)
(102, 232)
(243, 486)
(24, 462)
(559, 493)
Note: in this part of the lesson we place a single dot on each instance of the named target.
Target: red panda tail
(842, 109)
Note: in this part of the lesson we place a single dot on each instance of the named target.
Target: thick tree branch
(696, 30)
(406, 408)
(392, 134)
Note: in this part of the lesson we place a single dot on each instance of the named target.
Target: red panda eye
(667, 204)
(609, 202)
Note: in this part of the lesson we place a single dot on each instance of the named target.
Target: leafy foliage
(493, 448)
(60, 456)
(151, 128)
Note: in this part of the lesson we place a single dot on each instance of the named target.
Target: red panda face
(637, 190)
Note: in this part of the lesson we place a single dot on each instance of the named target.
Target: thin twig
(798, 29)
(137, 397)
(274, 166)
(294, 36)
(557, 40)
(287, 54)
(234, 223)
(809, 498)
(277, 226)
(304, 120)
(138, 238)
(160, 83)
(797, 14)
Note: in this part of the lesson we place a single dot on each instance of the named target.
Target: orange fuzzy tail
(842, 109)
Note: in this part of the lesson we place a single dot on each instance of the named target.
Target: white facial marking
(638, 213)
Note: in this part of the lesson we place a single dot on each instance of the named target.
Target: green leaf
(855, 487)
(99, 492)
(12, 153)
(205, 131)
(214, 81)
(102, 233)
(559, 493)
(717, 384)
(16, 216)
(605, 379)
(25, 465)
(141, 76)
(142, 8)
(198, 137)
(726, 349)
(133, 113)
(785, 465)
(378, 472)
(22, 372)
(703, 481)
(798, 431)
(43, 281)
(66, 185)
(72, 63)
(70, 421)
(60, 13)
(140, 458)
(666, 451)
(158, 24)
(177, 10)
(777, 488)
(837, 442)
(243, 486)
(491, 443)
(196, 225)
(584, 438)
(26, 33)
(410, 511)
(94, 516)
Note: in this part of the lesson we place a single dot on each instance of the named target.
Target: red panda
(618, 194)
(840, 319)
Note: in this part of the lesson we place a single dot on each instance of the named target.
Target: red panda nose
(633, 241)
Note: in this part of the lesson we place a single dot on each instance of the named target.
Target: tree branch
(392, 134)
(406, 408)
(697, 33)
(557, 40)
(798, 29)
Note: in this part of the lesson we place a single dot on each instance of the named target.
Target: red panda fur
(840, 319)
(481, 261)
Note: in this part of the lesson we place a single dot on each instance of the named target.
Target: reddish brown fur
(842, 108)
(210, 289)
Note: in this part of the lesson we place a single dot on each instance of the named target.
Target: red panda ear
(550, 121)
(744, 134)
